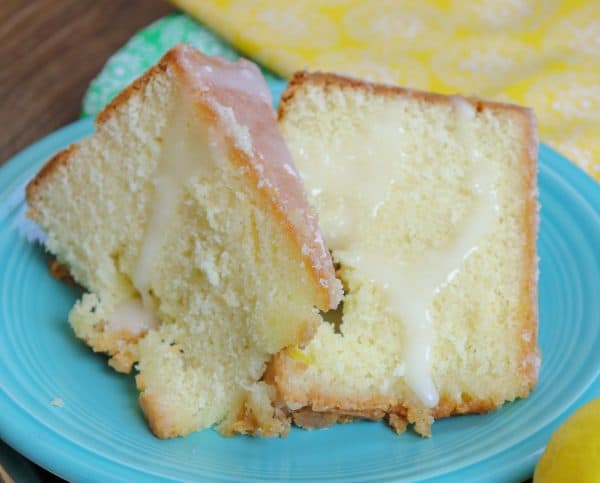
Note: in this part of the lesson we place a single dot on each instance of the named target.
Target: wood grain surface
(49, 52)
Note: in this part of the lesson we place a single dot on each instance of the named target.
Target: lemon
(573, 452)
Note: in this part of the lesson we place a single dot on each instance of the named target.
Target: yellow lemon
(573, 452)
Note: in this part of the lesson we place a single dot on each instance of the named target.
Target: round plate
(99, 431)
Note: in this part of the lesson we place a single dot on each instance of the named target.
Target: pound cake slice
(185, 219)
(429, 205)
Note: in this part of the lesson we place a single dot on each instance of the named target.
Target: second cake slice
(428, 203)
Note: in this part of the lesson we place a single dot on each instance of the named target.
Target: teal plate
(99, 432)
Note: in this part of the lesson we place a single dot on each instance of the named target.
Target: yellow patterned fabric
(544, 54)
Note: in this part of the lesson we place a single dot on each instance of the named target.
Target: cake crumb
(57, 402)
(397, 423)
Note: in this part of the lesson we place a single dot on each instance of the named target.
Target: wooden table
(49, 52)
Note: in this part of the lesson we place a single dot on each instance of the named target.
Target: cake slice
(185, 219)
(429, 205)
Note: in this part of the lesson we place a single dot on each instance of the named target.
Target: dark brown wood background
(49, 52)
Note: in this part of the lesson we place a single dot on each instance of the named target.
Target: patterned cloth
(545, 53)
(147, 46)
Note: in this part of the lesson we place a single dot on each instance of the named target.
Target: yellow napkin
(544, 54)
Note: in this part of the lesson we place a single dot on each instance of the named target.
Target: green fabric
(146, 47)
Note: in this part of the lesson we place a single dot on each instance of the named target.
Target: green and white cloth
(147, 46)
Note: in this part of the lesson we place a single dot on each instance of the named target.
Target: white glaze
(410, 286)
(184, 155)
(133, 317)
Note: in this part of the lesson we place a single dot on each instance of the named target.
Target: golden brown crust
(257, 420)
(397, 423)
(159, 421)
(397, 417)
(531, 356)
(335, 81)
(308, 419)
(374, 408)
(120, 345)
(32, 190)
(60, 272)
(137, 86)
